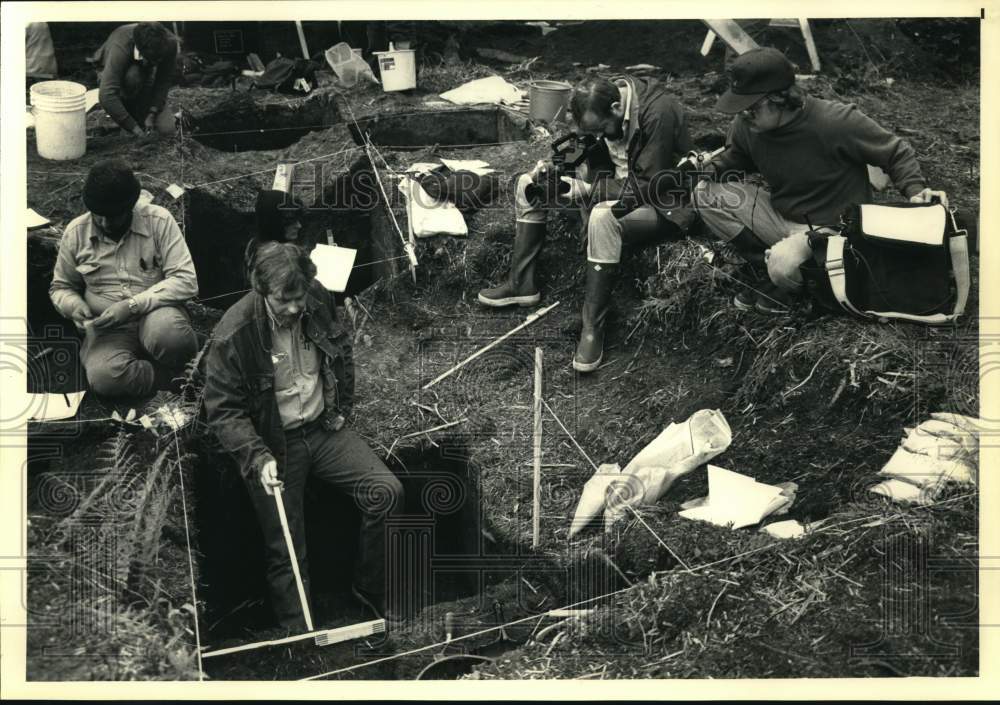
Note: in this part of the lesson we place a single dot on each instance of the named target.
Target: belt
(305, 428)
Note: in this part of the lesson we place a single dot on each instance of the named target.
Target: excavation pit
(250, 122)
(435, 546)
(444, 128)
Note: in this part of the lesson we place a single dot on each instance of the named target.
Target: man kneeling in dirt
(138, 62)
(122, 276)
(280, 383)
(813, 154)
(642, 133)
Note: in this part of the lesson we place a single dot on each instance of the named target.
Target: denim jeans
(343, 460)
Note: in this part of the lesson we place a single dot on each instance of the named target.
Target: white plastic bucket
(60, 114)
(398, 68)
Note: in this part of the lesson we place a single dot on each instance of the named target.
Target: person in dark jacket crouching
(814, 155)
(280, 384)
(627, 189)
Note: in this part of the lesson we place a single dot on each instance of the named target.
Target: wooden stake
(536, 516)
(531, 319)
(302, 39)
(294, 559)
(810, 44)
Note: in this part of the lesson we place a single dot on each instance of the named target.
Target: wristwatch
(133, 306)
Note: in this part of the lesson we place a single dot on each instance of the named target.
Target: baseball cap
(752, 76)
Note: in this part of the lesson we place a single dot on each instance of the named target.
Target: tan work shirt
(151, 263)
(297, 385)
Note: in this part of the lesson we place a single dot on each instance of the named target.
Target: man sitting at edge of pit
(642, 133)
(122, 275)
(813, 153)
(279, 386)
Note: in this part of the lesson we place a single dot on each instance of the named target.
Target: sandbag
(678, 450)
(593, 498)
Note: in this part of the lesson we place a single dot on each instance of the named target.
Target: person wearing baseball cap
(122, 275)
(813, 154)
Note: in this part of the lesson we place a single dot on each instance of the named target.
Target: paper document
(55, 407)
(90, 99)
(422, 168)
(477, 166)
(735, 499)
(428, 217)
(333, 265)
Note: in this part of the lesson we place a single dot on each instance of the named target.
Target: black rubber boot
(520, 286)
(590, 349)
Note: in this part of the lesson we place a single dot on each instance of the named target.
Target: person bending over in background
(641, 133)
(138, 63)
(122, 275)
(813, 154)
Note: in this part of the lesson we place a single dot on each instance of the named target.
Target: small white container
(398, 68)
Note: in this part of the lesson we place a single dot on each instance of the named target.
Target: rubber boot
(597, 301)
(520, 286)
(750, 248)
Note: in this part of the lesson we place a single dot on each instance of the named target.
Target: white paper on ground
(90, 99)
(788, 529)
(35, 220)
(428, 217)
(735, 499)
(492, 89)
(333, 265)
(175, 191)
(283, 178)
(791, 529)
(477, 166)
(54, 407)
(422, 167)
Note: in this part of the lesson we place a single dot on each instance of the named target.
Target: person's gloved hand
(80, 314)
(114, 315)
(338, 423)
(928, 195)
(269, 476)
(578, 188)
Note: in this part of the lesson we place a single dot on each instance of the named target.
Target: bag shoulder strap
(958, 246)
